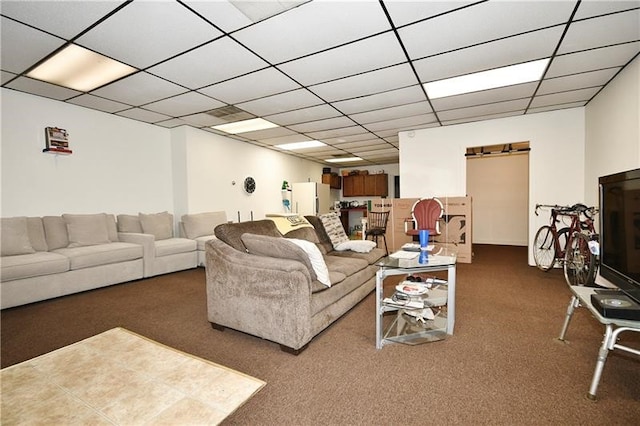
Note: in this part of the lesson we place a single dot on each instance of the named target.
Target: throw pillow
(361, 246)
(36, 234)
(283, 248)
(15, 236)
(129, 223)
(316, 259)
(201, 224)
(160, 225)
(86, 229)
(334, 229)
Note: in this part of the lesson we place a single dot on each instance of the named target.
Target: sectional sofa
(52, 256)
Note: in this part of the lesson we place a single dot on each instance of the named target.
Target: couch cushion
(305, 233)
(201, 224)
(103, 254)
(15, 236)
(334, 229)
(36, 234)
(129, 223)
(201, 241)
(324, 242)
(230, 233)
(160, 225)
(33, 265)
(112, 228)
(347, 266)
(372, 257)
(55, 230)
(171, 246)
(86, 229)
(278, 247)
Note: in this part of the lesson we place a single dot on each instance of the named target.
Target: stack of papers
(412, 304)
(404, 254)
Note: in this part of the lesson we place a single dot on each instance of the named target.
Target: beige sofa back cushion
(36, 234)
(201, 224)
(159, 225)
(86, 229)
(15, 236)
(55, 230)
(129, 223)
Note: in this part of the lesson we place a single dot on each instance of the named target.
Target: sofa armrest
(147, 241)
(264, 296)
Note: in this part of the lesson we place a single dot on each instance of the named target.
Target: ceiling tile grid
(347, 73)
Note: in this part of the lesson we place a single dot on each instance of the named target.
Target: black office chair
(377, 226)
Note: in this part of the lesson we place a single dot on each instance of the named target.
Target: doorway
(498, 183)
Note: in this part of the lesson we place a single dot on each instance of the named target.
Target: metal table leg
(573, 304)
(602, 358)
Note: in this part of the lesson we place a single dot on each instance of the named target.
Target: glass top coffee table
(425, 312)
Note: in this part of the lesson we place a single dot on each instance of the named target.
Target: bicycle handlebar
(578, 208)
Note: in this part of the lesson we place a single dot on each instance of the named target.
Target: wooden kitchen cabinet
(333, 180)
(374, 185)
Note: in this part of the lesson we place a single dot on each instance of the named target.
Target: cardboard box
(455, 226)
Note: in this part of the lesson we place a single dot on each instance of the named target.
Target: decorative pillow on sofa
(159, 225)
(286, 248)
(361, 246)
(129, 223)
(87, 229)
(15, 236)
(201, 224)
(334, 229)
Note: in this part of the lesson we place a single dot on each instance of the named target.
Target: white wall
(209, 164)
(118, 165)
(613, 130)
(432, 161)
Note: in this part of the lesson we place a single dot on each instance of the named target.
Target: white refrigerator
(310, 198)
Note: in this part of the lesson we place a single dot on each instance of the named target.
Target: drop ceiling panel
(160, 30)
(577, 81)
(591, 60)
(405, 95)
(266, 82)
(472, 119)
(360, 85)
(220, 13)
(401, 123)
(514, 18)
(284, 139)
(23, 47)
(338, 141)
(392, 113)
(139, 89)
(518, 91)
(187, 103)
(403, 13)
(303, 115)
(143, 115)
(590, 8)
(564, 97)
(347, 60)
(40, 88)
(62, 18)
(337, 133)
(209, 64)
(7, 76)
(101, 104)
(484, 110)
(598, 31)
(282, 102)
(312, 27)
(361, 144)
(523, 48)
(267, 133)
(329, 123)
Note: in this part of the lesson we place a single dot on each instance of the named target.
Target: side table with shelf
(407, 326)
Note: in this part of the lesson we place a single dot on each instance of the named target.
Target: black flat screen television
(620, 231)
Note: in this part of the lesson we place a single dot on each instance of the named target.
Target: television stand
(613, 327)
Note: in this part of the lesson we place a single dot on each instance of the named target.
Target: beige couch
(199, 227)
(51, 256)
(163, 253)
(263, 284)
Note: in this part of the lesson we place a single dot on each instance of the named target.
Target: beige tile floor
(119, 377)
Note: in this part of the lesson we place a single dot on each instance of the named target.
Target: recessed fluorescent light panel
(245, 126)
(499, 77)
(343, 159)
(300, 145)
(81, 69)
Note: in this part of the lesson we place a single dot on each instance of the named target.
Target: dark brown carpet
(504, 365)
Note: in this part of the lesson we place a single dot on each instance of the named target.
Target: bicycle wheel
(544, 248)
(562, 240)
(579, 262)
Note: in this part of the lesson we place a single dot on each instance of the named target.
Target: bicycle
(550, 244)
(580, 262)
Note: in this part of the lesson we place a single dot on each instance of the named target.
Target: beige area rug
(119, 377)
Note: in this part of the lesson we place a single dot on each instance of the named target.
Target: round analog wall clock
(249, 185)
